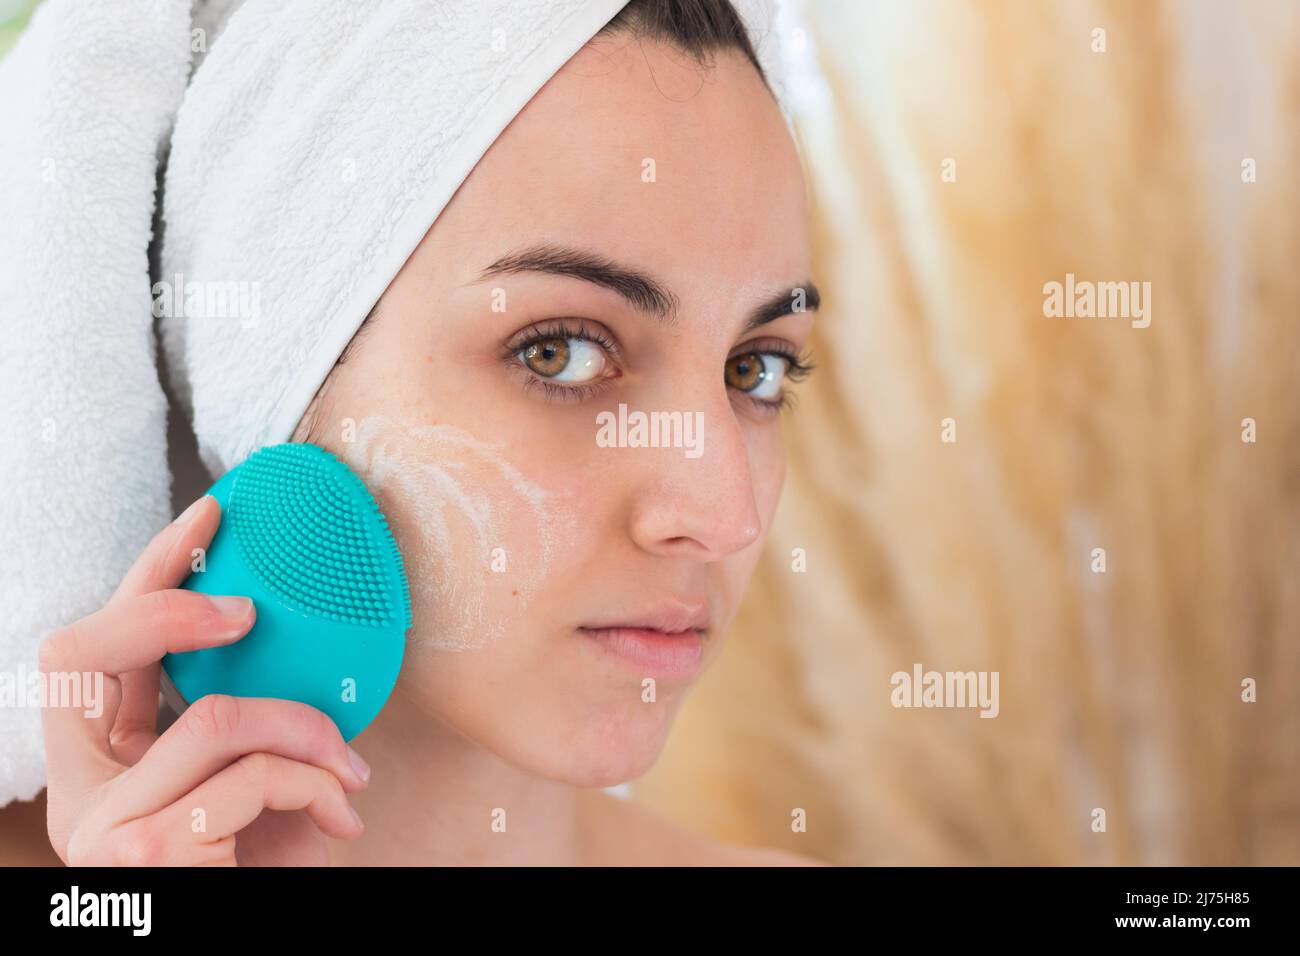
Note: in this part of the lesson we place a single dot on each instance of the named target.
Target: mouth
(665, 642)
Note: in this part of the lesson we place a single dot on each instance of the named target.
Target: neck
(437, 798)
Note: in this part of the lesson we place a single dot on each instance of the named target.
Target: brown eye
(745, 371)
(758, 374)
(548, 357)
(565, 358)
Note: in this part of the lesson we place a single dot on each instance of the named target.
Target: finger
(231, 800)
(217, 730)
(120, 637)
(166, 560)
(164, 563)
(136, 726)
(126, 635)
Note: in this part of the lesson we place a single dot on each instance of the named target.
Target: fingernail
(359, 766)
(186, 516)
(356, 816)
(231, 606)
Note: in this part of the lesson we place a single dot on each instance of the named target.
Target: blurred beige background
(1120, 690)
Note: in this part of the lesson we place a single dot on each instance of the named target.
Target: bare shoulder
(621, 831)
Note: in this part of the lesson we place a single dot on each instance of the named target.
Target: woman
(634, 241)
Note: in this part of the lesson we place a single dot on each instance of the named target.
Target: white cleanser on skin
(467, 521)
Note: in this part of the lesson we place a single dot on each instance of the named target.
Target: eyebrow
(782, 304)
(643, 292)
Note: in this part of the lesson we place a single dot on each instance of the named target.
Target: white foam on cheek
(435, 476)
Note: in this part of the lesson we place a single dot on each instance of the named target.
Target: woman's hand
(121, 795)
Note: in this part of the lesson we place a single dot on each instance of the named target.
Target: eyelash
(560, 329)
(798, 367)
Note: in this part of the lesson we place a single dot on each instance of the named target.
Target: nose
(699, 508)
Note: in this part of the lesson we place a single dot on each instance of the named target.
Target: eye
(561, 359)
(757, 374)
(569, 360)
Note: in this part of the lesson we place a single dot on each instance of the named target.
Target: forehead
(636, 151)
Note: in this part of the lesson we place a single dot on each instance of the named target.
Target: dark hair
(699, 27)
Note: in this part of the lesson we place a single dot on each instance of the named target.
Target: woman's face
(610, 251)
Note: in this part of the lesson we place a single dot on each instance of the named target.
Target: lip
(658, 654)
(665, 642)
(670, 617)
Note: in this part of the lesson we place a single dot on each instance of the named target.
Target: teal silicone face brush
(302, 536)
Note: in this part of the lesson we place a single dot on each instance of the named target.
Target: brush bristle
(311, 532)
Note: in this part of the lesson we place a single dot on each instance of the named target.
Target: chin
(604, 752)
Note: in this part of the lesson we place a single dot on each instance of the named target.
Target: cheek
(477, 535)
(766, 461)
(766, 455)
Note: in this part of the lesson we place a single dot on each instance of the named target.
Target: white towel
(314, 143)
(86, 99)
